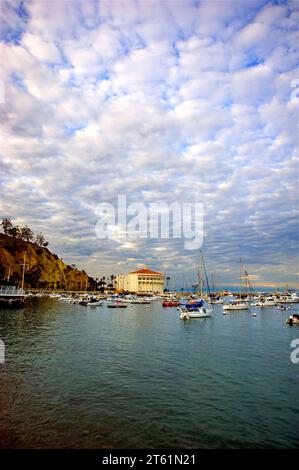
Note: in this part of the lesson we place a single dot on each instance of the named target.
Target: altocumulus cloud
(159, 100)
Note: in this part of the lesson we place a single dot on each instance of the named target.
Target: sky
(173, 101)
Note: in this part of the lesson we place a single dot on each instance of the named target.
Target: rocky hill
(44, 269)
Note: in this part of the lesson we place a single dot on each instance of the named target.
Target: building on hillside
(143, 281)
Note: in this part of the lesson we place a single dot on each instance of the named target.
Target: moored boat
(199, 312)
(236, 305)
(170, 303)
(116, 305)
(268, 302)
(96, 303)
(283, 307)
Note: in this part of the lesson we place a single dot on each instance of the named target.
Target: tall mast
(240, 278)
(213, 283)
(23, 273)
(205, 273)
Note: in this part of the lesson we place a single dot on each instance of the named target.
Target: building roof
(146, 271)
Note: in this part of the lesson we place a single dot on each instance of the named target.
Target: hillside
(44, 269)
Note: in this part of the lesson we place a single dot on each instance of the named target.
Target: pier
(12, 296)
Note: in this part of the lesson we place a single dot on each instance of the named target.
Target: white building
(142, 281)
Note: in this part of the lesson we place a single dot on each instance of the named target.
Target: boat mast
(200, 278)
(23, 273)
(205, 272)
(240, 278)
(213, 283)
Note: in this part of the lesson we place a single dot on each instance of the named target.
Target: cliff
(44, 269)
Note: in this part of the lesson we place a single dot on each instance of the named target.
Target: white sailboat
(191, 310)
(236, 305)
(200, 312)
(239, 304)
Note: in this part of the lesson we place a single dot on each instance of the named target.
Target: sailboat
(214, 298)
(238, 304)
(197, 309)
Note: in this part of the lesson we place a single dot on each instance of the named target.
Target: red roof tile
(145, 271)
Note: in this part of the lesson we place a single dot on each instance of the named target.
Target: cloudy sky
(187, 101)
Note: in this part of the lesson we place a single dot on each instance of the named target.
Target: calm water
(140, 377)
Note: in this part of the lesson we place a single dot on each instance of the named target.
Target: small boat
(117, 305)
(200, 312)
(269, 302)
(236, 305)
(283, 307)
(293, 319)
(96, 303)
(170, 303)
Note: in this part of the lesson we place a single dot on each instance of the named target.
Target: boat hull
(235, 307)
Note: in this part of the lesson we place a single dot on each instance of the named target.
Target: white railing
(11, 291)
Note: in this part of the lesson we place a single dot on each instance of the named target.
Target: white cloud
(171, 101)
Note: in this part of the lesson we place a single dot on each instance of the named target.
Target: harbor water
(139, 377)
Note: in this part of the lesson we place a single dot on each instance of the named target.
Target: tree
(6, 225)
(26, 233)
(14, 231)
(33, 275)
(40, 240)
(101, 284)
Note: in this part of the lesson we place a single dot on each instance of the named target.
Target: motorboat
(170, 303)
(236, 305)
(283, 307)
(289, 299)
(96, 303)
(267, 302)
(116, 305)
(294, 298)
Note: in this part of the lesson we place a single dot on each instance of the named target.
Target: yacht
(236, 305)
(289, 299)
(198, 312)
(268, 302)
